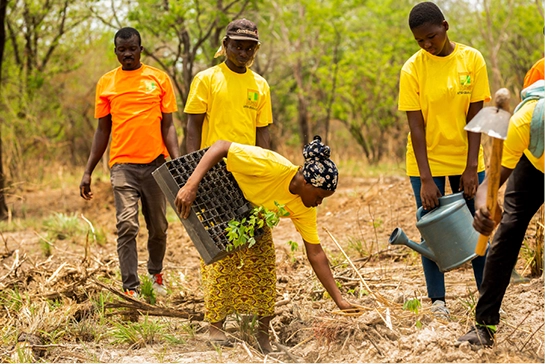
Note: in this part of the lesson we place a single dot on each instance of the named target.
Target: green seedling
(414, 306)
(146, 290)
(247, 327)
(293, 248)
(358, 246)
(469, 303)
(242, 233)
(139, 334)
(293, 245)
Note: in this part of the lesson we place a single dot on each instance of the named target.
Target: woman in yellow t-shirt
(442, 86)
(265, 177)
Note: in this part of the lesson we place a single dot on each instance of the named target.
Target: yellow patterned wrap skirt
(243, 282)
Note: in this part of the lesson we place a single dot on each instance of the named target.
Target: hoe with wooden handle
(493, 121)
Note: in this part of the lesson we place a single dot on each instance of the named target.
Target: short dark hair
(127, 33)
(426, 12)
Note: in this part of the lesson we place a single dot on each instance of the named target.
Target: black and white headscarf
(319, 170)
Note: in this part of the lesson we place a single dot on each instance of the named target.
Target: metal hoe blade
(492, 121)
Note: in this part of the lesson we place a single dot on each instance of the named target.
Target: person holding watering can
(442, 87)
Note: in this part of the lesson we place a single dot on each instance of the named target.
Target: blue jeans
(435, 279)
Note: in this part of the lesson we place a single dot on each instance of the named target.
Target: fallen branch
(143, 307)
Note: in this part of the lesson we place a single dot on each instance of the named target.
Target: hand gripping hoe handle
(492, 192)
(502, 102)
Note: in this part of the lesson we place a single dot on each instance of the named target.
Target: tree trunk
(3, 205)
(302, 118)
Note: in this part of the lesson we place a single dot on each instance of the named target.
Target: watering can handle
(419, 213)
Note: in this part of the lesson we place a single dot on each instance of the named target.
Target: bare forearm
(170, 138)
(418, 139)
(263, 137)
(320, 265)
(212, 156)
(474, 142)
(421, 154)
(187, 194)
(480, 196)
(194, 132)
(473, 139)
(100, 143)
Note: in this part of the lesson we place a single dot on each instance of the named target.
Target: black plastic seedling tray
(219, 200)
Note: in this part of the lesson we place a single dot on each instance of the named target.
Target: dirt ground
(307, 327)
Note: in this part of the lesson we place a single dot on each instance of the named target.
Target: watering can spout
(398, 237)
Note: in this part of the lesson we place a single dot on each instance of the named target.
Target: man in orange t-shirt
(535, 73)
(134, 105)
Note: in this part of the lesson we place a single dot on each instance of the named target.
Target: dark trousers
(523, 197)
(133, 183)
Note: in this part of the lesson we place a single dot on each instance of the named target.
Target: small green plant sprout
(293, 248)
(469, 303)
(414, 306)
(146, 290)
(293, 245)
(139, 335)
(357, 245)
(247, 327)
(242, 233)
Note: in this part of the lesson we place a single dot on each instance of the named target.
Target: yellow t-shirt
(264, 177)
(518, 139)
(442, 88)
(235, 104)
(136, 100)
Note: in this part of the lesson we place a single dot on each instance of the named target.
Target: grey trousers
(133, 183)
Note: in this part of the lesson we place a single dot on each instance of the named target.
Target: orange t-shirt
(136, 100)
(534, 74)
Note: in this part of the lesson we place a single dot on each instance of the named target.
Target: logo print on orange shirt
(150, 86)
(252, 99)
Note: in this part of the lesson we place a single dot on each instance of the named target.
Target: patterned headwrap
(319, 170)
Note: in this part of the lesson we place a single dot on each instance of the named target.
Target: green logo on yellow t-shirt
(465, 87)
(252, 95)
(252, 98)
(465, 80)
(150, 85)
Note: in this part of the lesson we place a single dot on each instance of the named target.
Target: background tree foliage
(328, 62)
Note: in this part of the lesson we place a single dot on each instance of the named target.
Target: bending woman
(265, 177)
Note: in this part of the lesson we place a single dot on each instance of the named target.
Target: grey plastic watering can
(449, 238)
